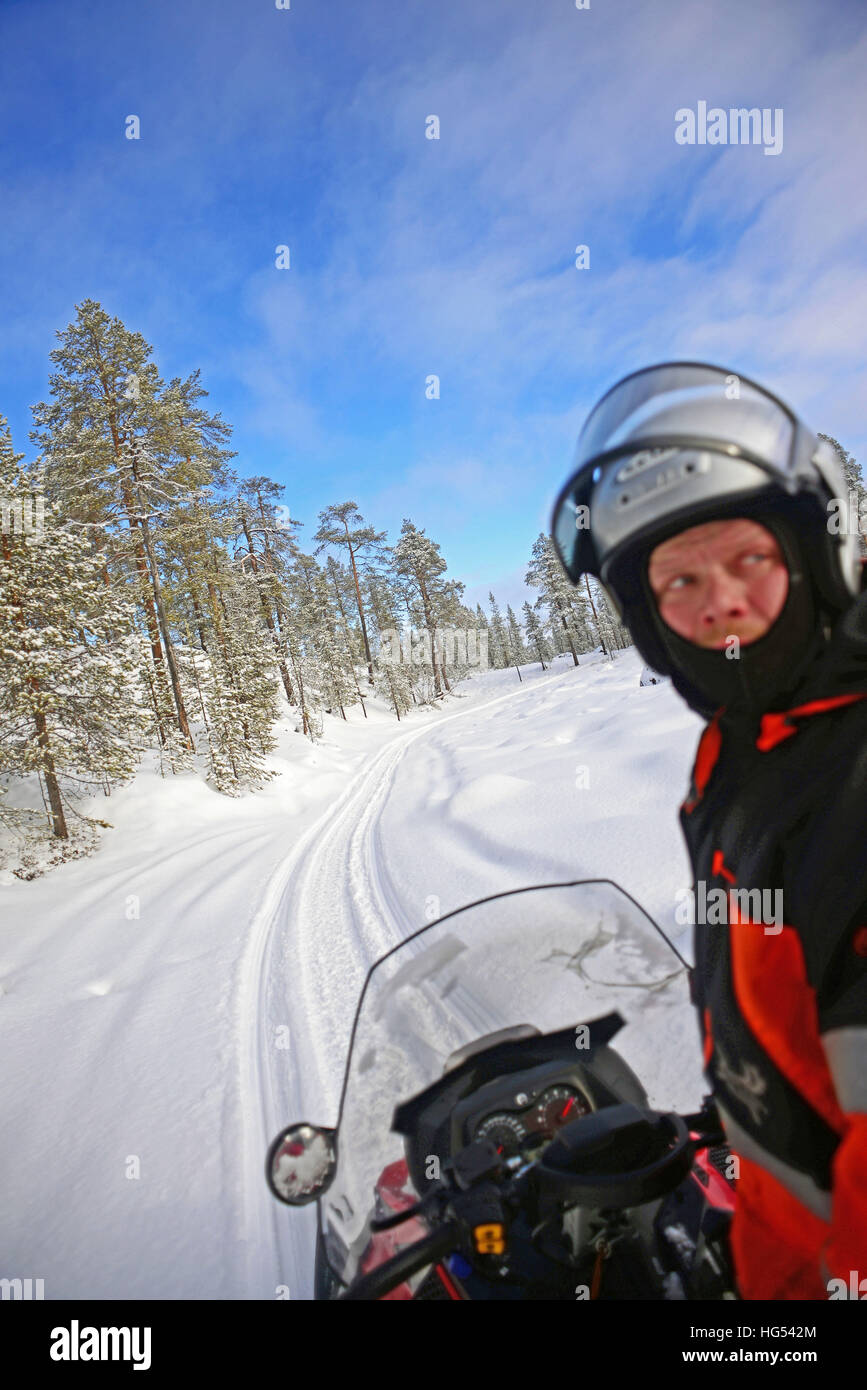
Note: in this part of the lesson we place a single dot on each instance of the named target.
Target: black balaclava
(768, 670)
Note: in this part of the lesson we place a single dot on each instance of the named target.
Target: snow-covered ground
(168, 1004)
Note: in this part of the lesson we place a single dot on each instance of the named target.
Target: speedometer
(506, 1133)
(558, 1106)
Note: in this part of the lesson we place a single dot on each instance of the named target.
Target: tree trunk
(138, 549)
(284, 674)
(428, 622)
(50, 776)
(183, 723)
(348, 643)
(47, 769)
(595, 616)
(566, 628)
(360, 607)
(272, 569)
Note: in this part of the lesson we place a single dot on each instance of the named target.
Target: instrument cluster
(530, 1117)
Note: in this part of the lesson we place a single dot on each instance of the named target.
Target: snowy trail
(168, 1005)
(125, 1018)
(427, 825)
(330, 911)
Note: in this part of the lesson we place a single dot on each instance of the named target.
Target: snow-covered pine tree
(236, 680)
(546, 574)
(599, 622)
(228, 660)
(265, 543)
(583, 622)
(418, 561)
(613, 633)
(342, 527)
(303, 663)
(516, 641)
(536, 634)
(392, 675)
(340, 583)
(461, 646)
(855, 484)
(118, 446)
(332, 674)
(68, 659)
(497, 636)
(412, 621)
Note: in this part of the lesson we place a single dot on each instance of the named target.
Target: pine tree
(498, 638)
(461, 644)
(331, 674)
(265, 545)
(339, 580)
(393, 678)
(68, 711)
(214, 605)
(236, 683)
(546, 574)
(418, 561)
(516, 641)
(595, 608)
(536, 634)
(303, 664)
(334, 530)
(855, 484)
(119, 447)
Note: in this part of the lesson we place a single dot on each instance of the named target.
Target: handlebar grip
(400, 1267)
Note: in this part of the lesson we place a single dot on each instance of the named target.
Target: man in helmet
(709, 514)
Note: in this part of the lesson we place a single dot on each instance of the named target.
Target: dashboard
(521, 1112)
(516, 1092)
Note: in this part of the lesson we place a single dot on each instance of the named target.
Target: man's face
(722, 579)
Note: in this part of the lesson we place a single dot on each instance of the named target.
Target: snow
(169, 1004)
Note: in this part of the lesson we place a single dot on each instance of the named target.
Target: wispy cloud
(454, 257)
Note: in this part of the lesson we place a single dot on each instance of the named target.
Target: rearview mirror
(301, 1164)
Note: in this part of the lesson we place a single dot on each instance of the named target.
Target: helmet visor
(675, 406)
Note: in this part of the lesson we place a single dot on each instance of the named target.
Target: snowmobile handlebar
(618, 1157)
(433, 1247)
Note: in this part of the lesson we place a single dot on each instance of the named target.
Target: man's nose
(723, 597)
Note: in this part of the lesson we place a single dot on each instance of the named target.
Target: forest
(157, 603)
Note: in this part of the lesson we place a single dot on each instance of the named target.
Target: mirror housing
(301, 1163)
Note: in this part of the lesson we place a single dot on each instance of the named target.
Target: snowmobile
(491, 1143)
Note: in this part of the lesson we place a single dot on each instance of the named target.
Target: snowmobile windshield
(547, 958)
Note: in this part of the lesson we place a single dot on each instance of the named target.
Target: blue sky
(454, 257)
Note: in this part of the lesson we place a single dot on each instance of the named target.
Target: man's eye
(757, 555)
(678, 580)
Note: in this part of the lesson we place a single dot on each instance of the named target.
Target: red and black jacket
(779, 803)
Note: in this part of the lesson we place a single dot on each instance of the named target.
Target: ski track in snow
(328, 913)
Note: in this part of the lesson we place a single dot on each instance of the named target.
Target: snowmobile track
(325, 915)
